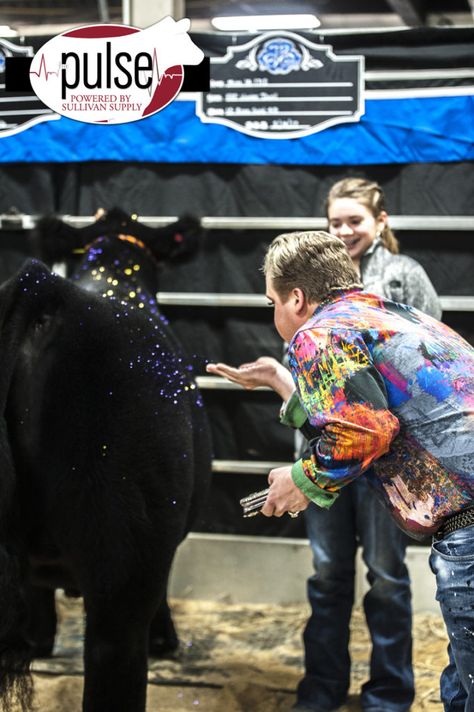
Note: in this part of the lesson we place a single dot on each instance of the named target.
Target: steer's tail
(16, 688)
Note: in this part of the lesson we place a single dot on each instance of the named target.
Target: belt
(461, 519)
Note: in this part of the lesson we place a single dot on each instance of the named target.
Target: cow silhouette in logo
(105, 457)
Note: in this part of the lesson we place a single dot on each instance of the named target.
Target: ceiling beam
(412, 12)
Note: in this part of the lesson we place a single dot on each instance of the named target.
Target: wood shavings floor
(233, 658)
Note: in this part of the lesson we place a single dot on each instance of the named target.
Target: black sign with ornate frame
(281, 85)
(19, 109)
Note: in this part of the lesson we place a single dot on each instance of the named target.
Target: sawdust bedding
(233, 658)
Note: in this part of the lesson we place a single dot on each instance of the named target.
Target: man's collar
(333, 297)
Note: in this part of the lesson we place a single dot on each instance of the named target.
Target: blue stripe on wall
(408, 130)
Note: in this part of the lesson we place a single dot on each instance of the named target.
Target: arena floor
(233, 658)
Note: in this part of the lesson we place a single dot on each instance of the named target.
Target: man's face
(285, 316)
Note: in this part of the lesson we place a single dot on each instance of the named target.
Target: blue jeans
(357, 517)
(452, 560)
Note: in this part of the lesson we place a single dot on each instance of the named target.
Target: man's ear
(303, 308)
(299, 301)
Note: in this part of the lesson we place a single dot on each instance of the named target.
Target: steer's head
(55, 240)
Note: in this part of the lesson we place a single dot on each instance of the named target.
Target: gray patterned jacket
(400, 278)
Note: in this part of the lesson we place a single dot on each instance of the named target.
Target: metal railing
(398, 222)
(219, 299)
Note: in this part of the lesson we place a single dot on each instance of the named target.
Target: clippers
(253, 503)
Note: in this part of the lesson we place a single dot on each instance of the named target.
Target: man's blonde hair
(315, 261)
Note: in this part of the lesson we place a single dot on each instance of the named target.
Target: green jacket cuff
(316, 494)
(292, 412)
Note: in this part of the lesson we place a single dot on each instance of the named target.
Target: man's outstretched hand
(265, 371)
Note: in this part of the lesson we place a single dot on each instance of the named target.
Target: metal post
(144, 13)
(104, 14)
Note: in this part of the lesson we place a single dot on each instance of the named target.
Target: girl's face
(355, 224)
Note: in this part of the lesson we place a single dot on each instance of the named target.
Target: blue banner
(392, 130)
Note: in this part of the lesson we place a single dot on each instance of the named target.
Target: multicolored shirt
(386, 386)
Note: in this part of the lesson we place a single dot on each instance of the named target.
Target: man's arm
(344, 397)
(283, 495)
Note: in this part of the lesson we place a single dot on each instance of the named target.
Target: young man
(382, 388)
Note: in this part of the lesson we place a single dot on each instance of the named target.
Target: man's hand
(265, 371)
(284, 495)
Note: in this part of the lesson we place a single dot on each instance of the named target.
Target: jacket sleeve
(418, 291)
(344, 398)
(294, 415)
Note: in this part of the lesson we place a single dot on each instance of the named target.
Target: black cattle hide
(105, 458)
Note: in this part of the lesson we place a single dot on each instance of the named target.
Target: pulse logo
(104, 74)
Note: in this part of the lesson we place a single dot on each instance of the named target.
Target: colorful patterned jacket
(383, 384)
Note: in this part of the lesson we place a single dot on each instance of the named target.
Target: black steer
(105, 458)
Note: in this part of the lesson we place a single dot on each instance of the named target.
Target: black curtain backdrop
(227, 189)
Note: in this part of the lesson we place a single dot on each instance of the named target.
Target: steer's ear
(54, 240)
(176, 240)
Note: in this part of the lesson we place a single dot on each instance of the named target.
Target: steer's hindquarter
(106, 452)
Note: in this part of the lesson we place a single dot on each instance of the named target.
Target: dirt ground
(233, 658)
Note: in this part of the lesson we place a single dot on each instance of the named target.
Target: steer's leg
(163, 638)
(115, 654)
(42, 620)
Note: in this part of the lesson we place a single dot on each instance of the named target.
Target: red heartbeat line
(42, 67)
(156, 69)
